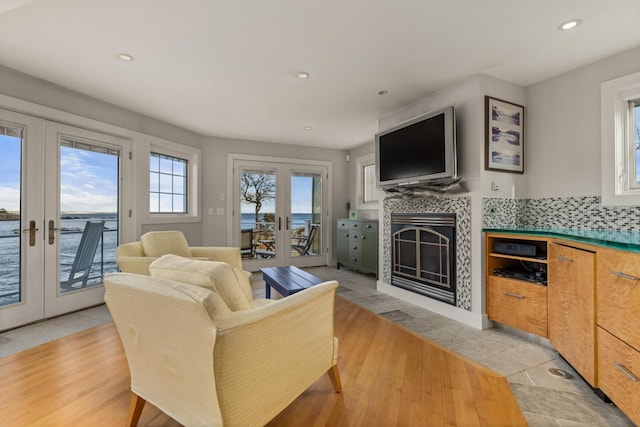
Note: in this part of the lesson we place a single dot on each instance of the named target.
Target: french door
(55, 179)
(280, 213)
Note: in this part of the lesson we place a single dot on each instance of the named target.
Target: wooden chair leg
(135, 409)
(334, 375)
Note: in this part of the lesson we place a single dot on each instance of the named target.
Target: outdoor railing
(12, 294)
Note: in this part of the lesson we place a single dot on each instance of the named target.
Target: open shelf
(528, 259)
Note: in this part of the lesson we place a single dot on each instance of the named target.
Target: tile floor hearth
(545, 400)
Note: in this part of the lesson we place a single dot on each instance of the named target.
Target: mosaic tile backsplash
(559, 213)
(461, 206)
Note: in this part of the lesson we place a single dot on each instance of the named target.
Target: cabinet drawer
(355, 245)
(619, 374)
(518, 304)
(369, 226)
(618, 294)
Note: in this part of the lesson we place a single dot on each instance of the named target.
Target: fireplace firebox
(423, 254)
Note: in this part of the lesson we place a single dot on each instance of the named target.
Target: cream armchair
(204, 364)
(136, 257)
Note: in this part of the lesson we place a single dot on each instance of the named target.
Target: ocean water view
(71, 226)
(248, 220)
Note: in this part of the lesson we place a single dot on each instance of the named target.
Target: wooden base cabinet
(618, 311)
(518, 304)
(589, 310)
(358, 245)
(513, 302)
(571, 293)
(619, 373)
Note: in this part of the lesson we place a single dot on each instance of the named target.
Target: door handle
(287, 223)
(32, 232)
(625, 371)
(624, 276)
(52, 230)
(279, 223)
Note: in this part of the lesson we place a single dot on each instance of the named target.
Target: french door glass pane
(258, 213)
(306, 214)
(10, 235)
(93, 198)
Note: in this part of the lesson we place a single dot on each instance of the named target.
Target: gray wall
(28, 88)
(563, 128)
(215, 153)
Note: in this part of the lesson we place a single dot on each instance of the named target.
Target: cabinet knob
(363, 237)
(346, 235)
(354, 259)
(368, 225)
(355, 236)
(355, 247)
(355, 225)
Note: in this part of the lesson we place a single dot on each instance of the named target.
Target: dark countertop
(624, 240)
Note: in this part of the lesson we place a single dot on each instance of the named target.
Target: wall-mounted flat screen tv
(419, 150)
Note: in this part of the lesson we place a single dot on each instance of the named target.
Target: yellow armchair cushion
(230, 283)
(161, 243)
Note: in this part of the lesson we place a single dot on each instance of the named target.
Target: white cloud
(10, 198)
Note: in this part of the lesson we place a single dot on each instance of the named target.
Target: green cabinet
(358, 245)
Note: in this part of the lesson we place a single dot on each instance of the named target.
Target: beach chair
(83, 260)
(304, 243)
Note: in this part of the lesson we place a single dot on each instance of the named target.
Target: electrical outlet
(210, 211)
(220, 211)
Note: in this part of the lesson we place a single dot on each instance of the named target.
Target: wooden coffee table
(288, 280)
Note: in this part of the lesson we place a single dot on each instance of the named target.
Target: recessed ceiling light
(308, 128)
(383, 92)
(303, 75)
(125, 57)
(570, 24)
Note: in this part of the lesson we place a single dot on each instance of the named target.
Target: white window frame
(174, 160)
(361, 163)
(617, 141)
(193, 157)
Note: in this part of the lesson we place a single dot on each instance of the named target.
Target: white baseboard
(475, 320)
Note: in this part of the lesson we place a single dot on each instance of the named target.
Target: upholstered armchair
(136, 257)
(205, 364)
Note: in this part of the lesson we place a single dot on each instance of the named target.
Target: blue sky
(301, 201)
(9, 173)
(88, 180)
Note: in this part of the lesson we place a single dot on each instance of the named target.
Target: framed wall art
(504, 136)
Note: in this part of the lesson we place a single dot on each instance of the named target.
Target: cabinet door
(571, 295)
(355, 245)
(369, 245)
(343, 241)
(619, 294)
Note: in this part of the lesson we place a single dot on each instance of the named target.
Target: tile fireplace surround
(461, 206)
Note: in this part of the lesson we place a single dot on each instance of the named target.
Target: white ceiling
(227, 68)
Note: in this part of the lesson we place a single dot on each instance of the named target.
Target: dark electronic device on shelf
(515, 249)
(539, 277)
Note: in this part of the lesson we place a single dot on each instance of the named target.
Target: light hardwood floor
(391, 377)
